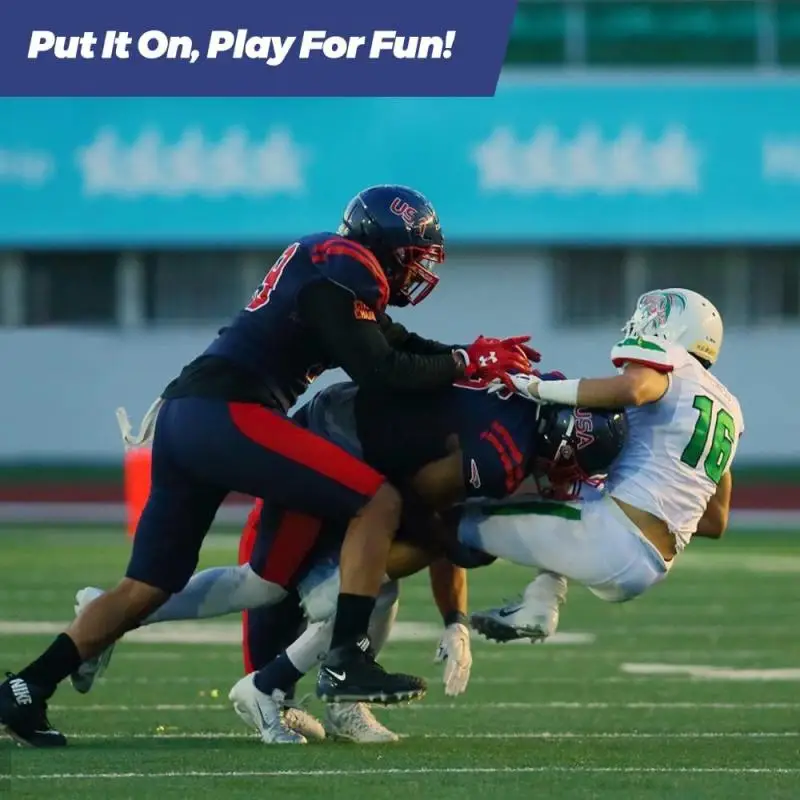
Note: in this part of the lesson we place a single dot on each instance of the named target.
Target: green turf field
(584, 718)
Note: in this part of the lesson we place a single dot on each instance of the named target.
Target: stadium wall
(62, 386)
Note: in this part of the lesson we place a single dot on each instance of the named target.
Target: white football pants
(590, 541)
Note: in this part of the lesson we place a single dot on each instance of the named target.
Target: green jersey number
(722, 430)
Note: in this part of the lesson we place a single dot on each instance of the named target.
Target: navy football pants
(203, 449)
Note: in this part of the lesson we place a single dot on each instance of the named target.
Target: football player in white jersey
(671, 481)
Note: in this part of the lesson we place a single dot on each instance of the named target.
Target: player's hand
(523, 385)
(455, 652)
(515, 344)
(490, 358)
(520, 343)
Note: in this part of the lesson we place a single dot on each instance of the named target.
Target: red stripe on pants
(282, 436)
(246, 544)
(296, 536)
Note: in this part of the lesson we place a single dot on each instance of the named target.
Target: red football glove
(518, 343)
(491, 358)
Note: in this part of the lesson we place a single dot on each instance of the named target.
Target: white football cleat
(264, 713)
(535, 617)
(355, 722)
(89, 671)
(302, 722)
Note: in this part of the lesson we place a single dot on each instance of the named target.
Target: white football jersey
(679, 447)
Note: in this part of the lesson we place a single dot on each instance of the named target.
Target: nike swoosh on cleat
(336, 675)
(505, 612)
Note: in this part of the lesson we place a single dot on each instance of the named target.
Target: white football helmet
(679, 316)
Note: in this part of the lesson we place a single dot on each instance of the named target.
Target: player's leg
(259, 698)
(591, 542)
(307, 474)
(209, 593)
(355, 722)
(267, 630)
(177, 516)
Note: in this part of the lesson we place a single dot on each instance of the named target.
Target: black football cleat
(350, 674)
(23, 714)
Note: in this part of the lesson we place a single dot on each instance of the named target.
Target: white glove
(522, 384)
(455, 652)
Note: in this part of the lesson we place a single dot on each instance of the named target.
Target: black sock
(280, 673)
(60, 660)
(352, 618)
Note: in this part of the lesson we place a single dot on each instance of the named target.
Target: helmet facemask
(559, 475)
(652, 317)
(416, 278)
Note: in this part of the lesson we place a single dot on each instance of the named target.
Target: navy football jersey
(268, 341)
(496, 434)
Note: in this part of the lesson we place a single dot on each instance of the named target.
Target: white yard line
(710, 673)
(411, 771)
(557, 735)
(205, 632)
(564, 706)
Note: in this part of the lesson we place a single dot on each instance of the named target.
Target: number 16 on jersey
(720, 428)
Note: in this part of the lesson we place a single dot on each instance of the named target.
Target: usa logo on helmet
(403, 210)
(584, 428)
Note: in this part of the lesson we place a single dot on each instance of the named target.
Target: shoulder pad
(645, 351)
(353, 267)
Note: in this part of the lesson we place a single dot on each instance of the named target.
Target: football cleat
(535, 617)
(89, 671)
(23, 714)
(355, 722)
(302, 722)
(350, 674)
(264, 713)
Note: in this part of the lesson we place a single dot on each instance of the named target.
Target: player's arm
(360, 348)
(644, 378)
(449, 588)
(636, 385)
(715, 520)
(399, 337)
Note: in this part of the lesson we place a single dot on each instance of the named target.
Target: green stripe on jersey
(643, 343)
(540, 508)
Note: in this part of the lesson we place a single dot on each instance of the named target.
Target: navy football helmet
(576, 446)
(400, 227)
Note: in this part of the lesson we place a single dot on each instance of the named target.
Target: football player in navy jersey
(458, 444)
(448, 446)
(222, 426)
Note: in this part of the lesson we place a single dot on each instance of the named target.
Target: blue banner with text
(241, 48)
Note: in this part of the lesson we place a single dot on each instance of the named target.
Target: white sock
(311, 646)
(384, 615)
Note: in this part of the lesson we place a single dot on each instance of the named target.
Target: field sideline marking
(686, 706)
(197, 632)
(713, 673)
(567, 735)
(354, 773)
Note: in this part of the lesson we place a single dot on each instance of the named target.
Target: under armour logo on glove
(492, 358)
